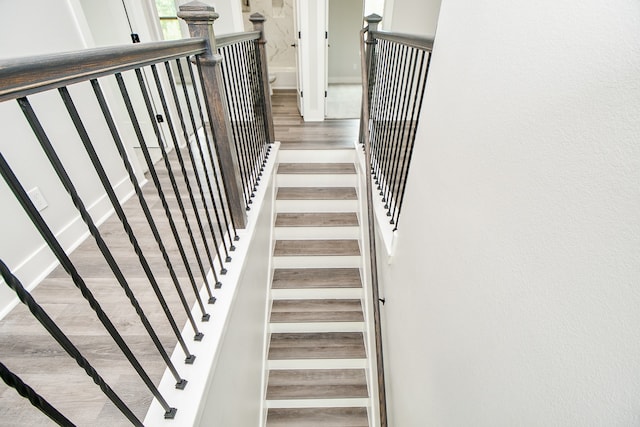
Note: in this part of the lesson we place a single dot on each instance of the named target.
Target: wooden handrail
(24, 76)
(411, 40)
(364, 66)
(229, 39)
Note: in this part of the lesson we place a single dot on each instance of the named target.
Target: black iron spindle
(413, 136)
(195, 168)
(47, 322)
(154, 176)
(147, 213)
(163, 199)
(174, 184)
(35, 217)
(24, 390)
(65, 179)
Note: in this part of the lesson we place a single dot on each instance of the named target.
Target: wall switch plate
(38, 199)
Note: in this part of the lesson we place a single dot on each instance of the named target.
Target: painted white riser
(316, 156)
(322, 293)
(317, 364)
(302, 233)
(319, 403)
(316, 180)
(317, 327)
(316, 261)
(316, 205)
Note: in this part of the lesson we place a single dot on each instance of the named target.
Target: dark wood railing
(220, 129)
(394, 72)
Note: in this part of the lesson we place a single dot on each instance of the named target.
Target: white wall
(514, 295)
(345, 23)
(411, 16)
(21, 247)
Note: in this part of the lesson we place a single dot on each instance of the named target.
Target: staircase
(317, 357)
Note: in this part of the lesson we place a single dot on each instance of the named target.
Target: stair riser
(341, 293)
(317, 327)
(319, 403)
(316, 156)
(316, 261)
(312, 180)
(316, 205)
(300, 233)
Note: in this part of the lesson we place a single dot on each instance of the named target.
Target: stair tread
(333, 247)
(316, 310)
(317, 168)
(317, 345)
(313, 417)
(317, 219)
(316, 145)
(316, 193)
(313, 278)
(316, 384)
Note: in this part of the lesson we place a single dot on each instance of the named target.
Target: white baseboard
(35, 268)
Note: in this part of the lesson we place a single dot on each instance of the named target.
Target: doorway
(344, 80)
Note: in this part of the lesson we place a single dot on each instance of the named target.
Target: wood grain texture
(317, 384)
(317, 219)
(316, 310)
(337, 247)
(320, 345)
(309, 278)
(315, 417)
(316, 193)
(317, 168)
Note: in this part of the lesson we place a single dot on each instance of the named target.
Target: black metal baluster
(204, 164)
(209, 139)
(154, 176)
(404, 137)
(24, 390)
(385, 108)
(41, 315)
(195, 169)
(413, 136)
(261, 113)
(410, 64)
(174, 184)
(258, 126)
(65, 261)
(232, 107)
(393, 119)
(84, 137)
(145, 207)
(163, 200)
(376, 107)
(238, 101)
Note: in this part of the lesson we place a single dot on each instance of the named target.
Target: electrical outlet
(38, 199)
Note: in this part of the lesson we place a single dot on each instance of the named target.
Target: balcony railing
(204, 167)
(397, 68)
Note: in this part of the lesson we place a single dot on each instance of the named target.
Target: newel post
(372, 25)
(200, 17)
(258, 25)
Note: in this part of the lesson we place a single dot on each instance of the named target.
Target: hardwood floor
(27, 349)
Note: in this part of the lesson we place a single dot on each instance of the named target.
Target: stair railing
(397, 69)
(217, 139)
(394, 71)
